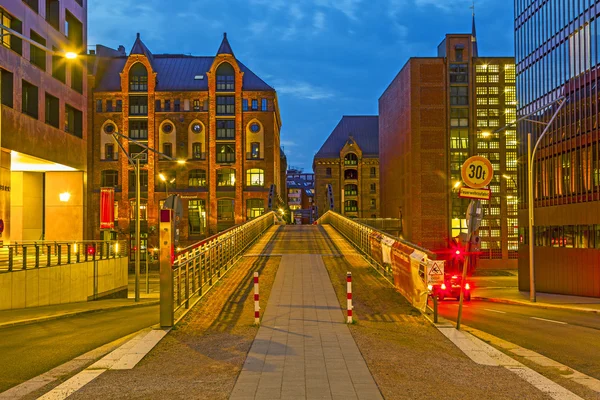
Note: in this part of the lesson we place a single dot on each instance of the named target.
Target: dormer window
(138, 78)
(225, 78)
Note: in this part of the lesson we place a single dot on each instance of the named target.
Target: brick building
(437, 112)
(300, 195)
(43, 112)
(213, 114)
(349, 162)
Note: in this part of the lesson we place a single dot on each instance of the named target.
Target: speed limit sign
(477, 172)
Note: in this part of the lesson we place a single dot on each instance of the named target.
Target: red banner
(107, 208)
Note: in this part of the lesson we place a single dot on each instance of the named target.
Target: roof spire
(225, 47)
(474, 32)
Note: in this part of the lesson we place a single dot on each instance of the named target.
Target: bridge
(205, 342)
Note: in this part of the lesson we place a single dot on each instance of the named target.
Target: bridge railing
(403, 263)
(23, 255)
(197, 268)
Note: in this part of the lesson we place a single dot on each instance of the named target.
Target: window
(177, 105)
(351, 159)
(59, 67)
(255, 177)
(143, 180)
(109, 178)
(459, 54)
(197, 178)
(196, 105)
(254, 208)
(98, 105)
(226, 177)
(350, 206)
(167, 105)
(73, 30)
(138, 129)
(157, 106)
(245, 105)
(255, 127)
(226, 129)
(53, 13)
(33, 4)
(168, 149)
(138, 78)
(328, 172)
(197, 151)
(225, 153)
(351, 190)
(225, 105)
(373, 204)
(254, 105)
(373, 188)
(109, 128)
(459, 73)
(77, 77)
(109, 106)
(373, 172)
(459, 96)
(30, 99)
(196, 216)
(37, 56)
(197, 127)
(265, 104)
(254, 150)
(116, 211)
(119, 106)
(143, 212)
(351, 174)
(73, 121)
(459, 117)
(7, 86)
(11, 41)
(138, 105)
(225, 209)
(109, 152)
(52, 111)
(186, 105)
(225, 78)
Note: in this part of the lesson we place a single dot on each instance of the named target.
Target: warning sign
(435, 272)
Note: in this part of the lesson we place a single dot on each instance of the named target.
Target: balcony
(251, 156)
(199, 156)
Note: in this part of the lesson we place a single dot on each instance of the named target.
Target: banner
(410, 268)
(107, 208)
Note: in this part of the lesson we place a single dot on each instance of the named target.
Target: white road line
(549, 320)
(496, 311)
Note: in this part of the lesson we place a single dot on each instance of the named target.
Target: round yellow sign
(477, 172)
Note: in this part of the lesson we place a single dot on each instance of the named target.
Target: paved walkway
(303, 349)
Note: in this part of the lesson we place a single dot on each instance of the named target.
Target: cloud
(258, 28)
(303, 90)
(271, 4)
(319, 21)
(288, 143)
(347, 7)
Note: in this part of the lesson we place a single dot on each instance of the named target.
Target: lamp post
(164, 179)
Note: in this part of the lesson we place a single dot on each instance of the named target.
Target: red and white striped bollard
(256, 304)
(349, 295)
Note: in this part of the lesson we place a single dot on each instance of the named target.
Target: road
(568, 337)
(29, 350)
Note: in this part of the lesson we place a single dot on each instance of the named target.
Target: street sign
(435, 272)
(477, 172)
(474, 216)
(477, 194)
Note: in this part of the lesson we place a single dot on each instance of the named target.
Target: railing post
(48, 255)
(37, 256)
(10, 258)
(24, 257)
(68, 253)
(78, 252)
(59, 251)
(187, 285)
(210, 263)
(167, 314)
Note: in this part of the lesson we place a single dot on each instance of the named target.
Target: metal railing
(197, 268)
(39, 254)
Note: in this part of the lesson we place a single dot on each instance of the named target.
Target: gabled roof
(140, 48)
(225, 47)
(364, 130)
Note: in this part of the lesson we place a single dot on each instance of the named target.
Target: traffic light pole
(474, 216)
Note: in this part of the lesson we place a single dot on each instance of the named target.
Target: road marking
(496, 311)
(549, 320)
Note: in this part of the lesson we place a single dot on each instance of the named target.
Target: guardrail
(39, 254)
(197, 268)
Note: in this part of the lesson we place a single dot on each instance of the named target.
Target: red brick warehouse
(213, 112)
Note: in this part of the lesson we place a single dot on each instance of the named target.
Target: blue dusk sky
(325, 58)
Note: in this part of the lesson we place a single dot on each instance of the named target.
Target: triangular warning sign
(435, 270)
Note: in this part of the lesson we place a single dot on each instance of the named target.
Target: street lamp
(164, 179)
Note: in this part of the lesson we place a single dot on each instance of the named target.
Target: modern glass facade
(557, 54)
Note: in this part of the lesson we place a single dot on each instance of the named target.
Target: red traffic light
(91, 250)
(457, 252)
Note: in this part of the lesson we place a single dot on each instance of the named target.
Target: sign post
(167, 315)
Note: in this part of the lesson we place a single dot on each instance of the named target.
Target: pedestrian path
(303, 349)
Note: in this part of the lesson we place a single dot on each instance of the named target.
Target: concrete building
(437, 112)
(212, 113)
(557, 53)
(43, 120)
(300, 195)
(349, 162)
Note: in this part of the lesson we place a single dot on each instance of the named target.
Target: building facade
(348, 162)
(435, 114)
(213, 115)
(43, 160)
(557, 54)
(300, 196)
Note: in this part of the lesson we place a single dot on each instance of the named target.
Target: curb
(75, 313)
(538, 305)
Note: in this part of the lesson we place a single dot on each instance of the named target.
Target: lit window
(255, 177)
(481, 79)
(482, 112)
(254, 208)
(493, 68)
(196, 216)
(493, 101)
(226, 177)
(494, 79)
(493, 90)
(481, 90)
(481, 69)
(197, 178)
(482, 123)
(482, 101)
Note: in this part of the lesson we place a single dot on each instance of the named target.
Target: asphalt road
(29, 350)
(569, 337)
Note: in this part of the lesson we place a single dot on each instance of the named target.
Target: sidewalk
(303, 348)
(504, 289)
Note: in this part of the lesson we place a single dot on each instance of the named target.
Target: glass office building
(557, 55)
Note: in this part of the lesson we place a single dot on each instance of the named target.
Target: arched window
(351, 190)
(197, 178)
(255, 177)
(109, 178)
(225, 78)
(226, 177)
(138, 78)
(351, 206)
(351, 159)
(350, 174)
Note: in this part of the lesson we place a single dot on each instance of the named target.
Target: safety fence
(39, 254)
(403, 263)
(198, 267)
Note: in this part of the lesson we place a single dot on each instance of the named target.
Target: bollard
(256, 303)
(349, 295)
(435, 309)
